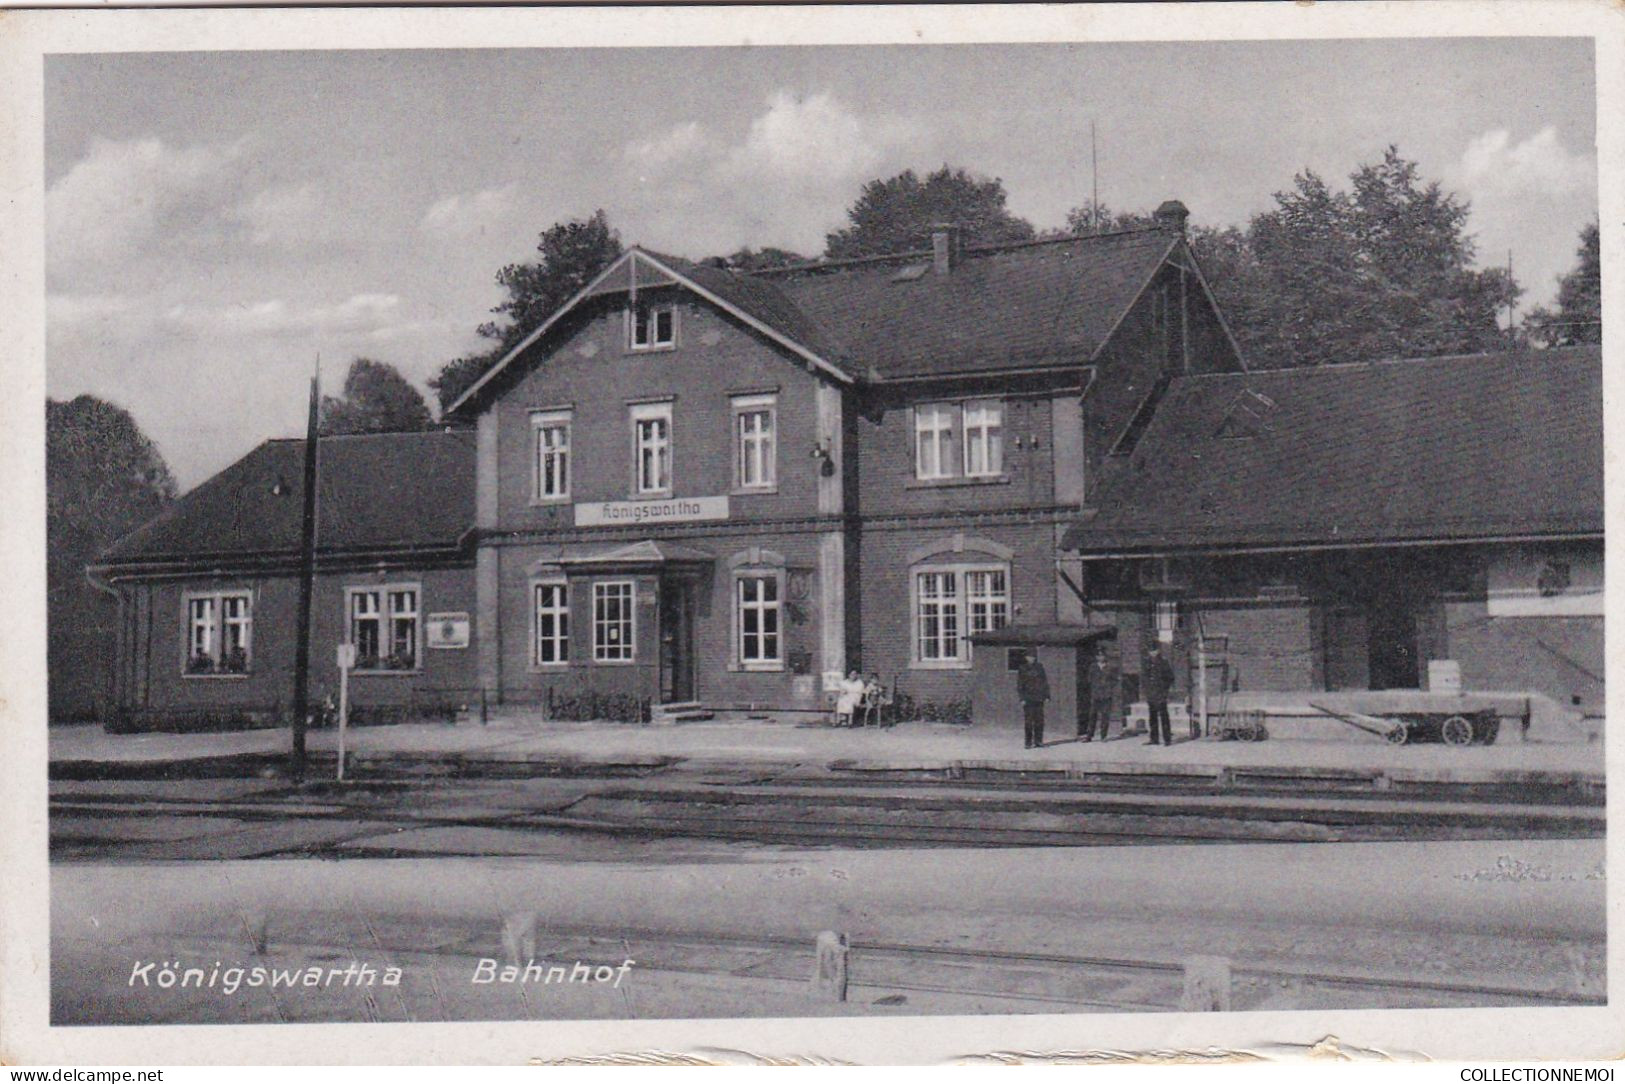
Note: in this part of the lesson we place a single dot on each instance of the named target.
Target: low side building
(208, 593)
(1342, 527)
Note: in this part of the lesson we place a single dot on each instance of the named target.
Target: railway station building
(699, 488)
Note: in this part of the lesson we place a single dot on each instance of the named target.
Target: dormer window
(652, 325)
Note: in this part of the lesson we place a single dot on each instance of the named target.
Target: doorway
(1392, 647)
(676, 641)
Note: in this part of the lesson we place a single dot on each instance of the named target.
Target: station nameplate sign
(449, 630)
(633, 513)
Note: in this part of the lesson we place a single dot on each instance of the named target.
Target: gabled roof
(1459, 448)
(754, 303)
(407, 492)
(1032, 304)
(1038, 303)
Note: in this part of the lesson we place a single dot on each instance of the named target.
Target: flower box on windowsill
(959, 480)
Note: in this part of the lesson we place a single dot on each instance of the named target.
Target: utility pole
(307, 577)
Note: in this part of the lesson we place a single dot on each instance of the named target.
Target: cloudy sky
(216, 220)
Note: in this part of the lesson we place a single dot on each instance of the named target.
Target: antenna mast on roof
(1094, 179)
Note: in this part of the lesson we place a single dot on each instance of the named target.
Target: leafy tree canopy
(103, 479)
(376, 399)
(763, 259)
(571, 254)
(1578, 316)
(896, 214)
(1381, 269)
(1089, 218)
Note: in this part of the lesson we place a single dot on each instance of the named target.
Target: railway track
(880, 971)
(792, 811)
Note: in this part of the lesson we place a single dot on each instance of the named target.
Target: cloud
(364, 314)
(810, 141)
(1539, 165)
(124, 195)
(788, 176)
(287, 216)
(1530, 198)
(464, 215)
(679, 148)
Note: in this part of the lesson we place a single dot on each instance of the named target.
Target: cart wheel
(1399, 735)
(1456, 730)
(1260, 733)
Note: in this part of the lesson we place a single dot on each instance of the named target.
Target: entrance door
(1393, 647)
(676, 641)
(1347, 645)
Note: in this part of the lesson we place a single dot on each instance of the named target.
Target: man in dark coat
(1032, 686)
(1157, 682)
(1102, 684)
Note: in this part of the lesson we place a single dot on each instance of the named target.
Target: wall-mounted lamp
(821, 451)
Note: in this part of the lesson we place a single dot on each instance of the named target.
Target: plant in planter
(400, 660)
(235, 662)
(200, 664)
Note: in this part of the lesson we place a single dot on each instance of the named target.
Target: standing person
(1102, 685)
(1032, 686)
(1159, 682)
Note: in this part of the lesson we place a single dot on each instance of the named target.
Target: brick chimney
(1172, 215)
(947, 247)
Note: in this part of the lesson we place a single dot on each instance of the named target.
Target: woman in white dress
(849, 695)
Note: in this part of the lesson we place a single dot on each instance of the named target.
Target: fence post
(829, 972)
(1207, 984)
(484, 711)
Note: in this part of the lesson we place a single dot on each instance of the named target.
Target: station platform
(905, 747)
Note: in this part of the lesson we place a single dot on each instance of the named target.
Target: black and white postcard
(863, 535)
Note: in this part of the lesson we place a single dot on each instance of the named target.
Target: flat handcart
(1404, 716)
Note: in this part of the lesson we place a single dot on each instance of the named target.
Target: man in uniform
(1101, 687)
(1032, 686)
(1158, 681)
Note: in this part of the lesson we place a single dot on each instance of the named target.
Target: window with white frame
(552, 432)
(652, 325)
(984, 438)
(552, 602)
(758, 618)
(959, 440)
(755, 441)
(383, 625)
(651, 448)
(219, 632)
(613, 627)
(936, 440)
(953, 603)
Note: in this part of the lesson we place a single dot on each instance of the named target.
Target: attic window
(1247, 416)
(911, 273)
(652, 325)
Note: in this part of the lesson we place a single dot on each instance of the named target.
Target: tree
(1088, 219)
(896, 214)
(572, 254)
(1382, 270)
(1578, 317)
(763, 259)
(103, 478)
(376, 399)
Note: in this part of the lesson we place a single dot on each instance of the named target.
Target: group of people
(858, 699)
(1094, 714)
